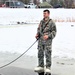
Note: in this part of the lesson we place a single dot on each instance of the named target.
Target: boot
(47, 70)
(39, 69)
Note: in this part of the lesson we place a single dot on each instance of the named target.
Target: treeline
(25, 1)
(28, 1)
(64, 3)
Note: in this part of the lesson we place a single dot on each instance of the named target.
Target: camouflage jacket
(46, 28)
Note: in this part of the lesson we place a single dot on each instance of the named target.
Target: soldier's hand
(36, 36)
(45, 37)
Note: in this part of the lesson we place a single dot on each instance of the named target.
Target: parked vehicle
(58, 6)
(31, 5)
(14, 4)
(17, 4)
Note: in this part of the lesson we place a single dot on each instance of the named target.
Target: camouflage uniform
(45, 46)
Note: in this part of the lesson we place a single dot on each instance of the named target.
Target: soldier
(45, 34)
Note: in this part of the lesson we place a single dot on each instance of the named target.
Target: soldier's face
(46, 14)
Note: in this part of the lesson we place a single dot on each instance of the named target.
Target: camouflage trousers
(44, 50)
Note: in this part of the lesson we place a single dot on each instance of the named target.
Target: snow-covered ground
(10, 16)
(17, 38)
(64, 43)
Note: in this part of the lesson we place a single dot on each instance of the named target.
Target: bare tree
(35, 1)
(68, 3)
(44, 0)
(25, 1)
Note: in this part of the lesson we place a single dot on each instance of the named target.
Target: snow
(17, 38)
(12, 16)
(64, 43)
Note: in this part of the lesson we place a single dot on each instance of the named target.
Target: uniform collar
(46, 21)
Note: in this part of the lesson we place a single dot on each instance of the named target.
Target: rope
(17, 57)
(23, 52)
